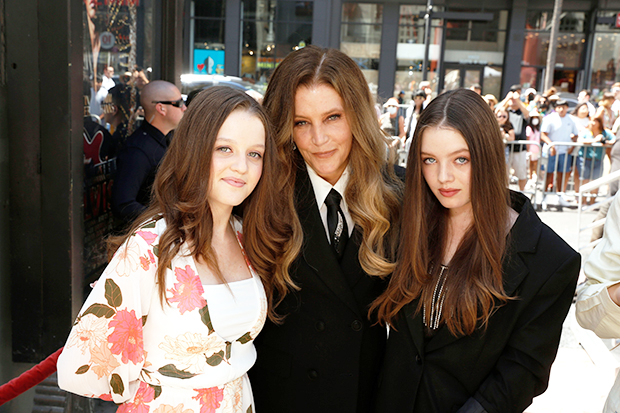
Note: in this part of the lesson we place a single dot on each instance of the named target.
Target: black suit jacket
(325, 356)
(137, 165)
(500, 369)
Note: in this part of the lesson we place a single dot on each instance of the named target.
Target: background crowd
(583, 132)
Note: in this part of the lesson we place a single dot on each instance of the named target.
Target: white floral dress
(126, 348)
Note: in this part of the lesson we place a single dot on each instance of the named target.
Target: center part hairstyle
(181, 189)
(373, 191)
(473, 284)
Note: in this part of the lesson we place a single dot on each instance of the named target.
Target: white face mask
(392, 110)
(534, 121)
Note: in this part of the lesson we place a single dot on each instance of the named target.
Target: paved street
(584, 369)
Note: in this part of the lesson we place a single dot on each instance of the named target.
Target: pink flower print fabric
(187, 292)
(126, 347)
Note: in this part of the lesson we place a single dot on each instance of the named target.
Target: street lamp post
(427, 37)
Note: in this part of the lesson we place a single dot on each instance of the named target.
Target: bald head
(156, 91)
(164, 116)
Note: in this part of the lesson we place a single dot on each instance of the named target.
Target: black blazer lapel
(415, 325)
(316, 251)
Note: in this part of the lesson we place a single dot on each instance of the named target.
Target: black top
(137, 164)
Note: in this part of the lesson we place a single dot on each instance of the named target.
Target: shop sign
(209, 62)
(107, 40)
(618, 20)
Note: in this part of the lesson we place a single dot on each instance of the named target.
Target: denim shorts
(564, 162)
(589, 168)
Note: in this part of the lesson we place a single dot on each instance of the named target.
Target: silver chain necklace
(437, 301)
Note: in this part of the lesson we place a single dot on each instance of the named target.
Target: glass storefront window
(570, 21)
(271, 30)
(211, 8)
(278, 10)
(492, 80)
(569, 50)
(207, 37)
(360, 38)
(605, 57)
(410, 50)
(117, 56)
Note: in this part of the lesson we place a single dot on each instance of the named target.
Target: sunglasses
(176, 103)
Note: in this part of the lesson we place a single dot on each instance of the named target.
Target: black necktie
(336, 223)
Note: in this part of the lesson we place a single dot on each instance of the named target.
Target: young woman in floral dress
(169, 326)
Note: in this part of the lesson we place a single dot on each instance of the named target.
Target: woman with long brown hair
(325, 354)
(170, 324)
(482, 286)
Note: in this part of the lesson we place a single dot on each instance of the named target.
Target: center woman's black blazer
(325, 356)
(499, 370)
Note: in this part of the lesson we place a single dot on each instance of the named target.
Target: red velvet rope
(30, 378)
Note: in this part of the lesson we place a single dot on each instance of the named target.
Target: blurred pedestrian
(391, 123)
(491, 101)
(138, 161)
(413, 113)
(590, 158)
(558, 127)
(532, 131)
(584, 97)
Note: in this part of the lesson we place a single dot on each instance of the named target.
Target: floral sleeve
(104, 353)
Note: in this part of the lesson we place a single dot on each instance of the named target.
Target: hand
(552, 151)
(614, 293)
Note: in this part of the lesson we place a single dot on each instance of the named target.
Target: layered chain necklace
(437, 301)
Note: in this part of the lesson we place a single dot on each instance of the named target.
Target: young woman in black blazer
(482, 286)
(325, 354)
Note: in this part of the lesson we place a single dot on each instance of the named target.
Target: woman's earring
(294, 146)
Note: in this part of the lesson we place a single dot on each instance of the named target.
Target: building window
(570, 47)
(477, 42)
(360, 38)
(117, 56)
(605, 53)
(474, 51)
(271, 30)
(410, 49)
(207, 37)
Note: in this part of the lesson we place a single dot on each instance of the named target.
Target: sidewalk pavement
(584, 369)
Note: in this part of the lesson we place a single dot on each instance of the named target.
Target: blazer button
(320, 326)
(312, 374)
(356, 325)
(418, 359)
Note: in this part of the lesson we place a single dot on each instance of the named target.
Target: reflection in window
(569, 21)
(605, 54)
(117, 60)
(360, 38)
(271, 30)
(410, 50)
(570, 47)
(207, 37)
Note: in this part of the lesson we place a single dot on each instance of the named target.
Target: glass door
(458, 75)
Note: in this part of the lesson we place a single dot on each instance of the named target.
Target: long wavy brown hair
(373, 193)
(181, 190)
(474, 282)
